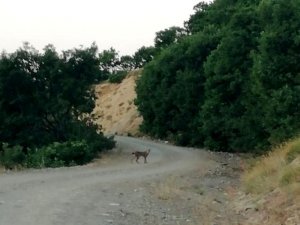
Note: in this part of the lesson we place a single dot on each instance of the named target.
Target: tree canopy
(47, 97)
(231, 83)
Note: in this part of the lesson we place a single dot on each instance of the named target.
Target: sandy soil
(176, 186)
(115, 106)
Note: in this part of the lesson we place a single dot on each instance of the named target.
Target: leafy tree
(217, 13)
(198, 20)
(127, 63)
(227, 85)
(47, 97)
(109, 62)
(169, 36)
(113, 67)
(18, 105)
(233, 84)
(143, 56)
(171, 89)
(276, 81)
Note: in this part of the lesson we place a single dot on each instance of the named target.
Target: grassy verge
(274, 183)
(56, 154)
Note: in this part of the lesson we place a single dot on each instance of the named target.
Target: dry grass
(275, 184)
(209, 214)
(277, 169)
(168, 189)
(109, 158)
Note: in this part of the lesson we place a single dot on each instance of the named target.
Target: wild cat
(138, 154)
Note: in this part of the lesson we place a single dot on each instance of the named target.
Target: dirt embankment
(115, 106)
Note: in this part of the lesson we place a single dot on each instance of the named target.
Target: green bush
(182, 139)
(85, 142)
(60, 154)
(88, 131)
(117, 77)
(11, 157)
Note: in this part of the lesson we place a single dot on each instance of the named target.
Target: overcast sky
(125, 25)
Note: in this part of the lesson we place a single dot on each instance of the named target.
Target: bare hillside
(115, 106)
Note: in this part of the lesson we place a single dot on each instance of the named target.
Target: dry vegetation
(168, 189)
(274, 186)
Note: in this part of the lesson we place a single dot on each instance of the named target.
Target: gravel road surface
(163, 191)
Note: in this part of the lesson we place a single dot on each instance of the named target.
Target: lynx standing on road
(138, 154)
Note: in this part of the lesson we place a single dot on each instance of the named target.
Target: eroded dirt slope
(115, 106)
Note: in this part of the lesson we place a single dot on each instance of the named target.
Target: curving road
(81, 195)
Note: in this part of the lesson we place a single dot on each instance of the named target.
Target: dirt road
(164, 191)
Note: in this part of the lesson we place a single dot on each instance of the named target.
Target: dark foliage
(47, 97)
(233, 83)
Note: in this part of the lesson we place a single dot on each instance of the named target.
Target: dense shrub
(11, 157)
(70, 153)
(117, 76)
(60, 154)
(91, 133)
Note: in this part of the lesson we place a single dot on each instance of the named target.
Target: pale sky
(125, 25)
